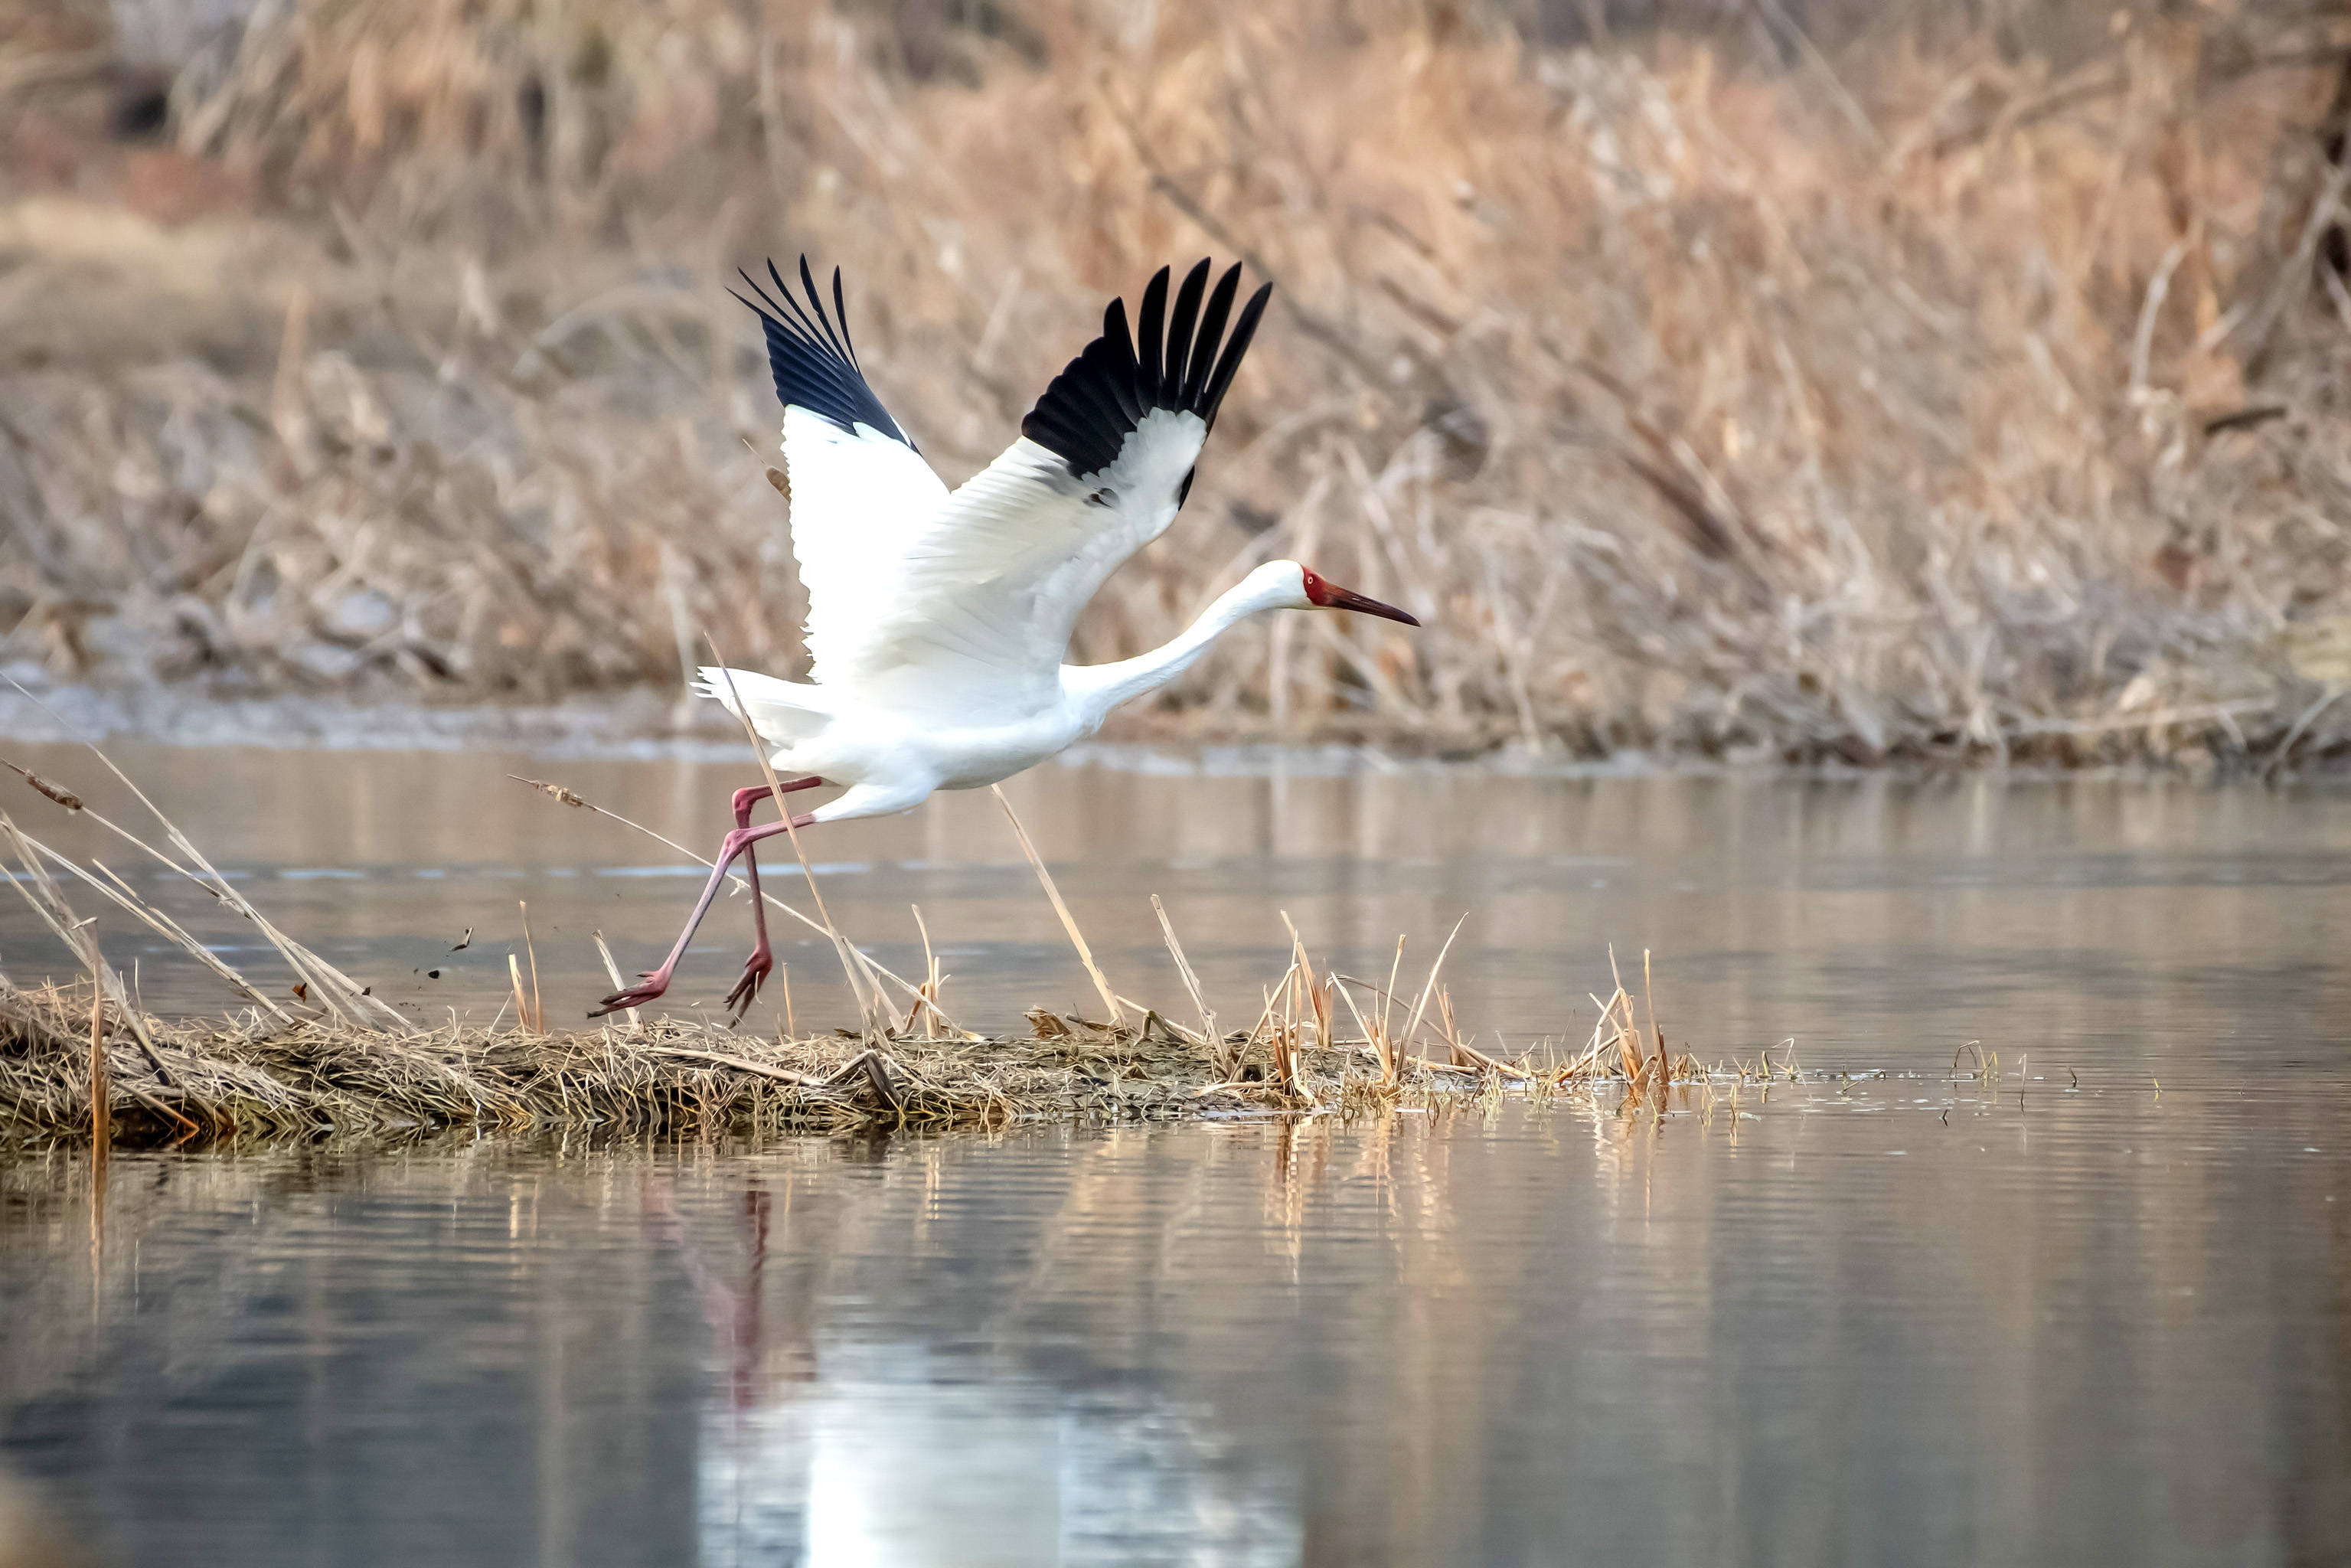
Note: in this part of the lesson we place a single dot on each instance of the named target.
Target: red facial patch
(1317, 591)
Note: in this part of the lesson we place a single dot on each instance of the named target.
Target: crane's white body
(894, 758)
(937, 620)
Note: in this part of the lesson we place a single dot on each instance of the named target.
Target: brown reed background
(1759, 380)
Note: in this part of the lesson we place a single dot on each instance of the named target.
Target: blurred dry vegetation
(1753, 378)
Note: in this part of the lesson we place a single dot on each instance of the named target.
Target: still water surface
(1888, 1318)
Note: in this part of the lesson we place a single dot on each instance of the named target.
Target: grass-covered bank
(1905, 392)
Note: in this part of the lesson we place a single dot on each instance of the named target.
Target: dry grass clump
(183, 1082)
(89, 1062)
(246, 1077)
(1905, 401)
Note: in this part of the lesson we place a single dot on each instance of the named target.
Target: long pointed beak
(1333, 597)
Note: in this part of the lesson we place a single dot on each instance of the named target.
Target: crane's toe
(755, 970)
(635, 995)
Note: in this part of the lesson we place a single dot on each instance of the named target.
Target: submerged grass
(1968, 386)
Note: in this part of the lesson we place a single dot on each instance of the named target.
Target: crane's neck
(1096, 689)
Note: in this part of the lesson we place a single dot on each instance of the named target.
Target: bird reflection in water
(830, 1451)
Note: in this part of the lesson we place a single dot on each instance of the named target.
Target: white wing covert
(963, 605)
(990, 585)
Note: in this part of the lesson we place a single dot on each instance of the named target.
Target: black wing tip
(1187, 364)
(813, 363)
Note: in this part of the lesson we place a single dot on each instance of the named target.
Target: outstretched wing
(987, 589)
(860, 490)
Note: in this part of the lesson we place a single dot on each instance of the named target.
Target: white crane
(937, 618)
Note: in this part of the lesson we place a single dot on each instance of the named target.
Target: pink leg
(762, 961)
(656, 981)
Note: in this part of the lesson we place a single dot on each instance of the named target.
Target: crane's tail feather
(782, 711)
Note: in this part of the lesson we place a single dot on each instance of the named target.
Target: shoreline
(641, 724)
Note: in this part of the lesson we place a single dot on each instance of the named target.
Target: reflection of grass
(1977, 407)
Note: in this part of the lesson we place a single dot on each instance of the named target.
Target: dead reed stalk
(537, 1008)
(99, 1098)
(1054, 894)
(1226, 1064)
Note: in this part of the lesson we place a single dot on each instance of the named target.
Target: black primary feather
(1095, 404)
(816, 367)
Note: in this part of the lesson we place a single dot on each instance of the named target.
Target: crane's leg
(762, 961)
(656, 981)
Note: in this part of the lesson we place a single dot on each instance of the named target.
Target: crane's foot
(755, 970)
(653, 983)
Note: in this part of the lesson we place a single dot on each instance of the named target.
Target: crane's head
(1301, 589)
